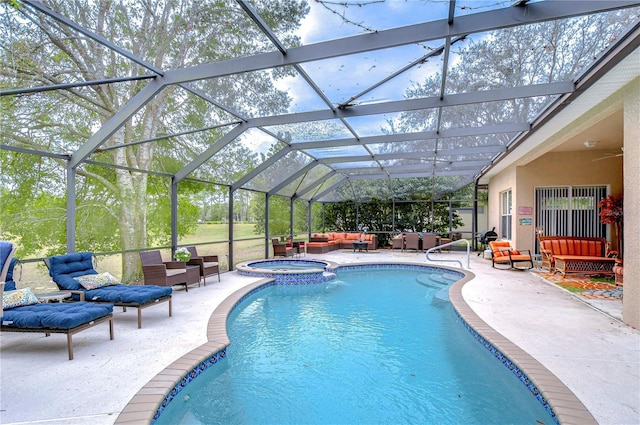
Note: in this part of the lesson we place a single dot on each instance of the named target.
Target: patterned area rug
(591, 287)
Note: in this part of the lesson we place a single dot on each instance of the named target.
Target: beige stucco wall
(501, 182)
(631, 303)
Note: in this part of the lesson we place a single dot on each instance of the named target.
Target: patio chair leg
(70, 345)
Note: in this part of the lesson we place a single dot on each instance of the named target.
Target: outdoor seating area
(417, 241)
(321, 243)
(168, 273)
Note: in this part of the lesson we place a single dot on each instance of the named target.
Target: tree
(129, 208)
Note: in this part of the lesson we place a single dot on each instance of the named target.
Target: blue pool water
(371, 347)
(288, 265)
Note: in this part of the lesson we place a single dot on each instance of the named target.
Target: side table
(58, 296)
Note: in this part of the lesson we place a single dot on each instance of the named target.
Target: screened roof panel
(337, 151)
(347, 79)
(235, 91)
(375, 125)
(310, 131)
(419, 146)
(279, 172)
(347, 19)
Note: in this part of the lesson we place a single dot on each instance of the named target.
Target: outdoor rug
(585, 286)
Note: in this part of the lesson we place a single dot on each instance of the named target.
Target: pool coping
(153, 397)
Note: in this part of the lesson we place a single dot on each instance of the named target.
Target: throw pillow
(95, 281)
(18, 298)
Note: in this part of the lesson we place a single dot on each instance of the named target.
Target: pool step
(434, 280)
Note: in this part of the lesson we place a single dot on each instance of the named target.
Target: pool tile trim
(561, 403)
(149, 403)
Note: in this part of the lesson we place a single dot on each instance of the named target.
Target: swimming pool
(361, 307)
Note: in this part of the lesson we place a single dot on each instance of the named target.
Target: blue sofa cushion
(127, 294)
(63, 269)
(54, 315)
(10, 284)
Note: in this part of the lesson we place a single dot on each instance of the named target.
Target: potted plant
(182, 254)
(612, 212)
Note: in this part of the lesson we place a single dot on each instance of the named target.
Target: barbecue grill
(486, 237)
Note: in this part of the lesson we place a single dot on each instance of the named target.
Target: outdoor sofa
(574, 254)
(321, 243)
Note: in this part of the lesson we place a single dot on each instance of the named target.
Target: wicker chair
(168, 273)
(397, 242)
(208, 264)
(412, 241)
(280, 249)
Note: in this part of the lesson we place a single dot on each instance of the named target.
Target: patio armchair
(208, 264)
(412, 241)
(397, 242)
(75, 273)
(429, 240)
(167, 273)
(281, 249)
(503, 254)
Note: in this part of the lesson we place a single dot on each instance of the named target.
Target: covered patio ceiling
(373, 93)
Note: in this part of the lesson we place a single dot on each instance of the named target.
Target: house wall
(503, 181)
(631, 302)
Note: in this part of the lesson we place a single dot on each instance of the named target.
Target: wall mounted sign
(525, 210)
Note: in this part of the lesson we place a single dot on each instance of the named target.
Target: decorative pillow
(95, 281)
(18, 298)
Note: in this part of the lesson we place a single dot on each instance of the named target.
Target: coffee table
(360, 246)
(583, 264)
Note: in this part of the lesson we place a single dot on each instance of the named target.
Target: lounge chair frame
(69, 332)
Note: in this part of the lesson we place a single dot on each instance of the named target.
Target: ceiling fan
(611, 155)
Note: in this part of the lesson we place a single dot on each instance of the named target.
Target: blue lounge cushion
(140, 294)
(54, 315)
(64, 268)
(10, 284)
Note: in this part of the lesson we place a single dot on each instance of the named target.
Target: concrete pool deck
(591, 351)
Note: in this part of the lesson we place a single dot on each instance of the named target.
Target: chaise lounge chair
(100, 288)
(503, 254)
(208, 264)
(21, 312)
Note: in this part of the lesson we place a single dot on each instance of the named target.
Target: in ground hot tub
(290, 272)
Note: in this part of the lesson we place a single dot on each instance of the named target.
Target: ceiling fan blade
(607, 157)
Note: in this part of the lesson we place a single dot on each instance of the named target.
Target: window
(505, 214)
